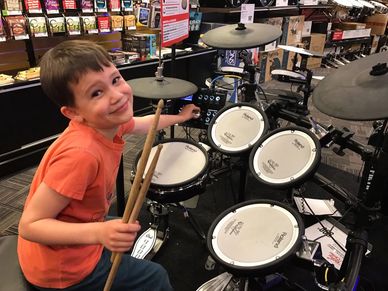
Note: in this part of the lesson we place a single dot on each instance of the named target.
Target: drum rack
(373, 184)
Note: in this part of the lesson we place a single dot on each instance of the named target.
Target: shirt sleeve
(71, 172)
(127, 127)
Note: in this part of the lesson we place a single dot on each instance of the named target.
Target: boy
(64, 241)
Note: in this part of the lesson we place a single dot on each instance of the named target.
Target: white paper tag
(247, 13)
(281, 3)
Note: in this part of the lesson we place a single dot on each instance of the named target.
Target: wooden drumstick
(134, 215)
(141, 166)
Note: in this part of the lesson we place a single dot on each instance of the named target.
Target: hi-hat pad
(299, 50)
(357, 91)
(241, 36)
(165, 88)
(280, 73)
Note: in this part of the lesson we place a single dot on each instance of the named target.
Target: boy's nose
(116, 95)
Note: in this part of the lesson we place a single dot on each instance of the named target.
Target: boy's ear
(71, 113)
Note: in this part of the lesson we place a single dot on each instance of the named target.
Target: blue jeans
(132, 275)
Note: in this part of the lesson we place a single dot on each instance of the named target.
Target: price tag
(247, 13)
(281, 3)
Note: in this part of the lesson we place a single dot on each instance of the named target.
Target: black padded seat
(11, 277)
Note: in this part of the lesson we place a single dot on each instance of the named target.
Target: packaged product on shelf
(12, 6)
(28, 75)
(17, 27)
(195, 19)
(3, 35)
(51, 6)
(118, 57)
(38, 26)
(114, 5)
(129, 22)
(57, 25)
(89, 25)
(117, 22)
(87, 6)
(142, 43)
(33, 6)
(73, 25)
(155, 16)
(103, 23)
(100, 6)
(142, 16)
(127, 5)
(69, 4)
(6, 79)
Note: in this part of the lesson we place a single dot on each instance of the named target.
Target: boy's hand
(118, 236)
(190, 111)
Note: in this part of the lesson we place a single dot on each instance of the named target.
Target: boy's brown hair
(65, 64)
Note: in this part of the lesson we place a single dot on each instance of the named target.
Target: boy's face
(103, 100)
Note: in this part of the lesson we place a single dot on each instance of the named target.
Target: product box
(315, 43)
(142, 43)
(375, 43)
(377, 23)
(275, 21)
(292, 30)
(321, 27)
(269, 61)
(350, 25)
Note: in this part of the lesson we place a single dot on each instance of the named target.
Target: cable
(262, 91)
(328, 233)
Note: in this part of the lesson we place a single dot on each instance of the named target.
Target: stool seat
(11, 276)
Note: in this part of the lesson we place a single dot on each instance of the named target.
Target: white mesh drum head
(178, 163)
(343, 3)
(366, 4)
(255, 235)
(237, 128)
(284, 157)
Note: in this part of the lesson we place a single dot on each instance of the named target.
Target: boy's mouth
(121, 108)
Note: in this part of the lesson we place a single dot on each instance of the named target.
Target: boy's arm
(39, 224)
(142, 124)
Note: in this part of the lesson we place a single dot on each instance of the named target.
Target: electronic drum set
(254, 238)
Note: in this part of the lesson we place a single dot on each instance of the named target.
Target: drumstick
(141, 166)
(134, 215)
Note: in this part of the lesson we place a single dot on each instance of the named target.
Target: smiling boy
(64, 240)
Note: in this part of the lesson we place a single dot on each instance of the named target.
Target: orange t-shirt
(81, 164)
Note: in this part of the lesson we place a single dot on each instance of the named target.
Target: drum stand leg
(243, 177)
(194, 223)
(149, 243)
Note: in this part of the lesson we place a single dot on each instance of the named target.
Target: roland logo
(229, 135)
(272, 164)
(190, 148)
(247, 116)
(279, 239)
(298, 144)
(233, 227)
(369, 179)
(236, 228)
(325, 231)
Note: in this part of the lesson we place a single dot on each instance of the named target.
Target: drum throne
(11, 276)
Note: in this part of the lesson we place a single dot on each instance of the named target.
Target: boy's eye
(96, 93)
(116, 79)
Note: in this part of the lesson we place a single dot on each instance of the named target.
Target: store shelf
(222, 10)
(348, 41)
